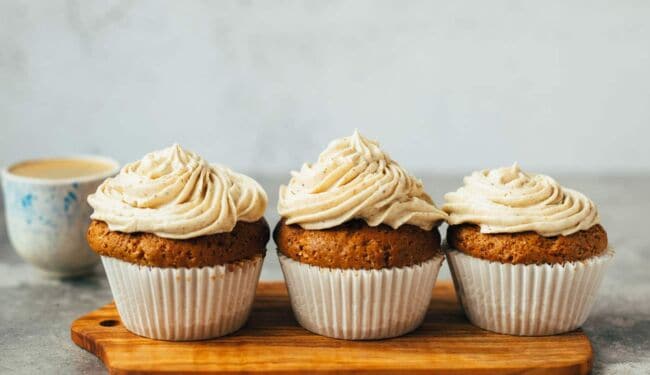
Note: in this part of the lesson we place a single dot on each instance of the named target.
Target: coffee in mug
(47, 214)
(55, 169)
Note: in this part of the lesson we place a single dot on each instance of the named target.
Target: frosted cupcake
(182, 243)
(358, 243)
(527, 255)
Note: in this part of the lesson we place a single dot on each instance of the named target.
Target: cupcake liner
(526, 300)
(183, 303)
(360, 304)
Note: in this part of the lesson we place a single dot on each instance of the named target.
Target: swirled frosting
(174, 193)
(354, 179)
(507, 200)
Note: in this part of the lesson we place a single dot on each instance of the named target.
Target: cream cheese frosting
(354, 179)
(174, 193)
(508, 200)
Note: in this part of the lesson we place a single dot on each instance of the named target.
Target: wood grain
(272, 341)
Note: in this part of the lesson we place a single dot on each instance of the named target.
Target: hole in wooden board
(109, 323)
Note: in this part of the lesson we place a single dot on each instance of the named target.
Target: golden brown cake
(245, 241)
(527, 254)
(182, 242)
(509, 216)
(355, 245)
(527, 247)
(356, 208)
(358, 240)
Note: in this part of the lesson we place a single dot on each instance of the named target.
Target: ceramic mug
(47, 218)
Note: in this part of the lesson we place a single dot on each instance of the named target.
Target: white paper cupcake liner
(183, 303)
(360, 304)
(526, 300)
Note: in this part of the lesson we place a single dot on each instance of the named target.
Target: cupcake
(527, 255)
(182, 243)
(358, 243)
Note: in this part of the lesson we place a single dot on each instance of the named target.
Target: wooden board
(272, 341)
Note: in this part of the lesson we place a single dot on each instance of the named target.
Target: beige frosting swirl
(175, 193)
(507, 200)
(354, 179)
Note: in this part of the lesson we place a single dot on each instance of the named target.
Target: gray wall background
(446, 86)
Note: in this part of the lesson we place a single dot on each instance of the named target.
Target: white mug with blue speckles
(47, 214)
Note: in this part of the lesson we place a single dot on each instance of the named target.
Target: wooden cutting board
(272, 341)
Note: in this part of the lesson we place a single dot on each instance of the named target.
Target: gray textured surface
(35, 313)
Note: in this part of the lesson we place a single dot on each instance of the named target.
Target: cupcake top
(174, 193)
(354, 179)
(508, 200)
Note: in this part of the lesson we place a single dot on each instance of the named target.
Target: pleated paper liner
(183, 303)
(527, 300)
(360, 304)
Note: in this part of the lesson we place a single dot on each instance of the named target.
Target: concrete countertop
(36, 312)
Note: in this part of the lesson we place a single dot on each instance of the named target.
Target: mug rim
(7, 175)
